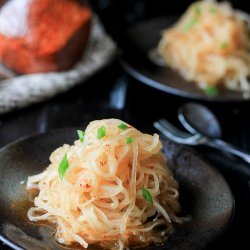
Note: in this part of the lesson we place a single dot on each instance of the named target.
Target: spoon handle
(224, 146)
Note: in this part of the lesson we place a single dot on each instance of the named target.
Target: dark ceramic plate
(204, 194)
(137, 44)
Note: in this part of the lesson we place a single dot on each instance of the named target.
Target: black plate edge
(15, 246)
(172, 91)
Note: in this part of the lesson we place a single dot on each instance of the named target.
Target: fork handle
(226, 147)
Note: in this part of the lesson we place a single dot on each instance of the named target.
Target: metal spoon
(198, 119)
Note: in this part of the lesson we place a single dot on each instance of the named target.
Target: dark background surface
(112, 93)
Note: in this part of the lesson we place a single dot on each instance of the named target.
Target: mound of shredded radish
(111, 188)
(210, 45)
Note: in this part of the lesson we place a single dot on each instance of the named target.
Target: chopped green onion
(190, 24)
(194, 19)
(224, 45)
(129, 140)
(146, 195)
(211, 91)
(63, 166)
(197, 10)
(213, 10)
(122, 126)
(101, 132)
(81, 135)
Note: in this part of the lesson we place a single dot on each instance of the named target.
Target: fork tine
(174, 134)
(165, 132)
(171, 128)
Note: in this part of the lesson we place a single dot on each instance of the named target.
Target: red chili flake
(101, 163)
(88, 186)
(116, 157)
(78, 209)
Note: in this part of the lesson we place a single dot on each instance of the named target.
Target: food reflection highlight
(111, 188)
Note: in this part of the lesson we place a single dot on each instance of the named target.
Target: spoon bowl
(197, 118)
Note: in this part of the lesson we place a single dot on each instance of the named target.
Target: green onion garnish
(101, 132)
(122, 126)
(63, 166)
(190, 24)
(197, 10)
(211, 91)
(194, 19)
(213, 10)
(81, 135)
(129, 140)
(146, 195)
(224, 45)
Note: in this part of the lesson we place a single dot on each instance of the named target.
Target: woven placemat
(20, 91)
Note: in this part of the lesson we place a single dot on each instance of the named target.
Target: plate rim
(142, 78)
(9, 242)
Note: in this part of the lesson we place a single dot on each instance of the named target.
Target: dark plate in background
(137, 43)
(204, 194)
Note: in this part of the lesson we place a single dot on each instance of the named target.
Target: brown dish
(205, 195)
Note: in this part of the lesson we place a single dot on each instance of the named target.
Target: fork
(171, 132)
(176, 135)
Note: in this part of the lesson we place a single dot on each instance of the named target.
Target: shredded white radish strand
(210, 45)
(100, 198)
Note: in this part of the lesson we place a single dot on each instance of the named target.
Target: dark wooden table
(112, 93)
